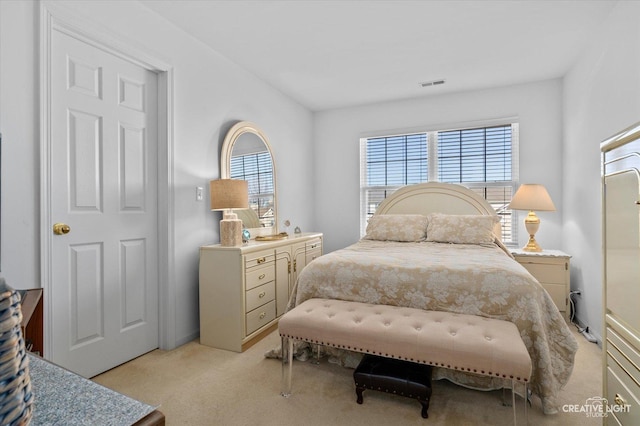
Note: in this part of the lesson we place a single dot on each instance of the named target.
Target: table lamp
(226, 195)
(532, 197)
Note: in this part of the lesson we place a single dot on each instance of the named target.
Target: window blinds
(257, 171)
(475, 155)
(483, 159)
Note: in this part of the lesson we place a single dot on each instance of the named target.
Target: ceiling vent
(433, 83)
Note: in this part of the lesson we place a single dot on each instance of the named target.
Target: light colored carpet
(199, 385)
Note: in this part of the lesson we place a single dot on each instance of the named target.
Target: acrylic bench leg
(513, 401)
(526, 402)
(287, 358)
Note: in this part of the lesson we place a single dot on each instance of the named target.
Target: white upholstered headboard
(425, 198)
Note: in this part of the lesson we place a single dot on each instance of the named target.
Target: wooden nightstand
(552, 269)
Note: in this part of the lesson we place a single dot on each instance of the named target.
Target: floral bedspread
(472, 279)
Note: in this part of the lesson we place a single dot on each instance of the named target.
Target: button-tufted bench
(479, 345)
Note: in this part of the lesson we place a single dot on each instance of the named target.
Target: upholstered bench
(394, 376)
(479, 345)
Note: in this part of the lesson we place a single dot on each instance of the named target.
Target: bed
(433, 246)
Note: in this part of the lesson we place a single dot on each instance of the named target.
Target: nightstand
(552, 269)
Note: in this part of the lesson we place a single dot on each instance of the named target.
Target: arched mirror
(246, 154)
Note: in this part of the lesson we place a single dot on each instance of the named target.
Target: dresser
(552, 269)
(621, 266)
(244, 290)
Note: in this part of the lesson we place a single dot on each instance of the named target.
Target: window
(483, 159)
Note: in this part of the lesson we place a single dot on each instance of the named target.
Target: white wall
(211, 94)
(19, 255)
(601, 97)
(337, 134)
(558, 120)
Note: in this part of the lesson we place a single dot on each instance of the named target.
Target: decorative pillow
(461, 229)
(397, 227)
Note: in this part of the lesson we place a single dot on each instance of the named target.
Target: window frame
(432, 168)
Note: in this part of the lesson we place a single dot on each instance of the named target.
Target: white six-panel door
(104, 283)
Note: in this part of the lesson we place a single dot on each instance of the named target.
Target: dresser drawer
(313, 254)
(313, 250)
(558, 293)
(259, 276)
(622, 395)
(314, 244)
(623, 378)
(260, 295)
(626, 355)
(261, 316)
(259, 258)
(550, 273)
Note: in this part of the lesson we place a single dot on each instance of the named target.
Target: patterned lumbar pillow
(461, 229)
(397, 227)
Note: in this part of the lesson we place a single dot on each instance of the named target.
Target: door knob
(61, 228)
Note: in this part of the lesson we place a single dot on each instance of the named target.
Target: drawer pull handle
(262, 315)
(261, 277)
(261, 260)
(314, 246)
(261, 295)
(620, 400)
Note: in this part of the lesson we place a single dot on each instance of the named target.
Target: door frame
(54, 17)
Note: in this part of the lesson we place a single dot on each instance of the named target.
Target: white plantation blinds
(483, 159)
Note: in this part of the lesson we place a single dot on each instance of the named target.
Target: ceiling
(329, 54)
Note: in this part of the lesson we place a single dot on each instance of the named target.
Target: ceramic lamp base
(532, 223)
(230, 231)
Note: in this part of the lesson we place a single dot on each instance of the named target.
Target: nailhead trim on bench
(499, 346)
(433, 363)
(339, 306)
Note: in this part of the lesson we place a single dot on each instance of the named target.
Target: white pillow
(461, 229)
(397, 227)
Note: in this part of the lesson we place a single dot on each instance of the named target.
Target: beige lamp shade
(229, 194)
(532, 197)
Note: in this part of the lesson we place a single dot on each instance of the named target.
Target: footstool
(394, 376)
